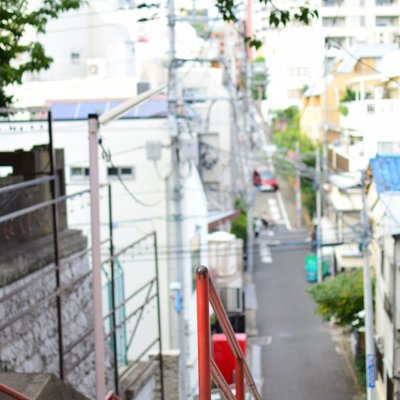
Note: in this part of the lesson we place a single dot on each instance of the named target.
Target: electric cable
(107, 156)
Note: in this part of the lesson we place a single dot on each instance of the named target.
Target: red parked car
(264, 180)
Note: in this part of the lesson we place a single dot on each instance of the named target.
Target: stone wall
(171, 377)
(143, 381)
(30, 344)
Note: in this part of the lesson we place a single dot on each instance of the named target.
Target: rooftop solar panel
(91, 107)
(63, 110)
(152, 108)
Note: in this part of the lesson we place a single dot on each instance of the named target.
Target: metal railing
(12, 393)
(206, 294)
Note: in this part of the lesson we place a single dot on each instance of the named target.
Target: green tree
(277, 16)
(287, 132)
(19, 16)
(17, 55)
(341, 297)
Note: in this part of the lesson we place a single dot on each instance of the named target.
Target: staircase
(23, 386)
(206, 294)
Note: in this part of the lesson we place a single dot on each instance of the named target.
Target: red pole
(11, 392)
(239, 379)
(203, 333)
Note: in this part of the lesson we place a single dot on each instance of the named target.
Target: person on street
(257, 227)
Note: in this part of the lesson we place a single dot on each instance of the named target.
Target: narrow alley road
(299, 359)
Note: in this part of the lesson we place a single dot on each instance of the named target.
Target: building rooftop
(156, 107)
(386, 173)
(363, 50)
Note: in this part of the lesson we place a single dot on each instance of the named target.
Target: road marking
(272, 201)
(283, 209)
(265, 255)
(261, 340)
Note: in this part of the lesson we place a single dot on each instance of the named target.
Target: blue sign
(371, 370)
(178, 302)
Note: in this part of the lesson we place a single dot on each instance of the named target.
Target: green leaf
(16, 16)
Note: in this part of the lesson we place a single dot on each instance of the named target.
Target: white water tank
(222, 247)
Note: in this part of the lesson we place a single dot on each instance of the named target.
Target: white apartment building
(370, 125)
(384, 211)
(295, 54)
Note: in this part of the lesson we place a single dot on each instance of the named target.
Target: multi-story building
(295, 54)
(368, 123)
(322, 109)
(348, 22)
(383, 202)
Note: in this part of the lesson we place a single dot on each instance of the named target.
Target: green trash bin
(311, 267)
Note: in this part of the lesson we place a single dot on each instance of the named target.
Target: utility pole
(177, 194)
(247, 140)
(318, 201)
(96, 256)
(325, 117)
(298, 186)
(369, 318)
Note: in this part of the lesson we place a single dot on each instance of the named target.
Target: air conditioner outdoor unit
(96, 68)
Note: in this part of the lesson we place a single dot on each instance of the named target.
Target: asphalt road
(299, 358)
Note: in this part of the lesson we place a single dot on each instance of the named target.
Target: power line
(107, 156)
(360, 60)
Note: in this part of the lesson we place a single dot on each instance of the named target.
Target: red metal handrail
(111, 396)
(13, 393)
(206, 294)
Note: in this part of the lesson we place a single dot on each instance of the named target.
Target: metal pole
(247, 163)
(326, 118)
(203, 332)
(233, 138)
(318, 201)
(177, 193)
(298, 186)
(160, 350)
(239, 379)
(113, 303)
(55, 222)
(369, 327)
(96, 256)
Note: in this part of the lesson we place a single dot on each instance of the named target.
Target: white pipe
(121, 109)
(96, 260)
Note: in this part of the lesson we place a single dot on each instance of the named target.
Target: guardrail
(206, 294)
(11, 392)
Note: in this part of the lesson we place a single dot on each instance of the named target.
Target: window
(331, 3)
(386, 21)
(79, 172)
(333, 21)
(123, 172)
(75, 57)
(339, 40)
(355, 21)
(194, 94)
(388, 148)
(298, 71)
(385, 2)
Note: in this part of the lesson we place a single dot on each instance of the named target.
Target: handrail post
(203, 332)
(239, 379)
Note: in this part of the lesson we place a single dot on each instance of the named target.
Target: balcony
(332, 3)
(380, 3)
(366, 113)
